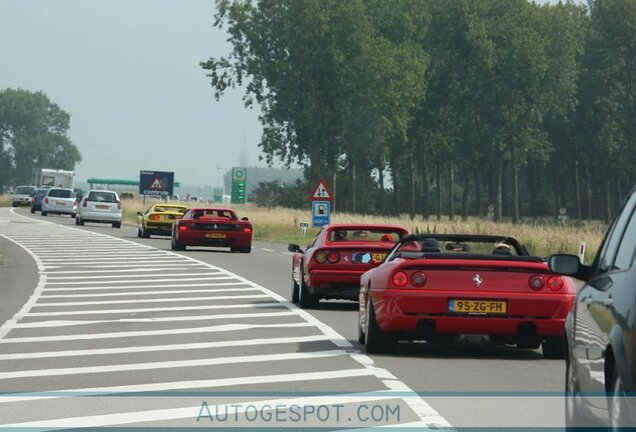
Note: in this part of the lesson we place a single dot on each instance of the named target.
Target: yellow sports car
(158, 219)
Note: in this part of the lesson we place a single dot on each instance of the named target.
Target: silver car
(60, 201)
(22, 195)
(100, 206)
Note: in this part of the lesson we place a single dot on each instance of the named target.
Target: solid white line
(287, 253)
(100, 288)
(68, 323)
(191, 412)
(135, 293)
(210, 383)
(202, 273)
(121, 257)
(171, 364)
(104, 266)
(125, 270)
(160, 279)
(158, 300)
(157, 348)
(180, 308)
(268, 250)
(115, 335)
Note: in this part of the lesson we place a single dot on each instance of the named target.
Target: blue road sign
(320, 213)
(156, 183)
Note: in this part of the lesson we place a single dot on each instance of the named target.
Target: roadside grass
(542, 238)
(5, 200)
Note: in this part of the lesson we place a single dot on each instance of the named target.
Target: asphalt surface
(108, 296)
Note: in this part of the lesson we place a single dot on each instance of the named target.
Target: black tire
(553, 347)
(73, 215)
(32, 209)
(15, 204)
(618, 409)
(81, 221)
(144, 233)
(44, 213)
(306, 300)
(176, 245)
(77, 221)
(116, 224)
(246, 249)
(138, 232)
(294, 288)
(376, 341)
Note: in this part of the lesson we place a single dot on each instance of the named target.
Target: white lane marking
(171, 364)
(104, 266)
(155, 300)
(165, 309)
(190, 412)
(108, 260)
(142, 293)
(201, 383)
(125, 270)
(202, 273)
(127, 334)
(68, 323)
(268, 250)
(159, 348)
(159, 279)
(126, 287)
(287, 253)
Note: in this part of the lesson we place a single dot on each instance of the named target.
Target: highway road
(106, 329)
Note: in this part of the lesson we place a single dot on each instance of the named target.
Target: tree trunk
(333, 189)
(465, 196)
(577, 190)
(382, 191)
(451, 185)
(353, 186)
(499, 188)
(478, 204)
(412, 169)
(438, 180)
(588, 193)
(515, 188)
(425, 187)
(608, 201)
(532, 188)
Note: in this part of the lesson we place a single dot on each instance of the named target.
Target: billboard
(158, 183)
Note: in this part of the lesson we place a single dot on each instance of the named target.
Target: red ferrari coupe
(333, 262)
(212, 226)
(437, 287)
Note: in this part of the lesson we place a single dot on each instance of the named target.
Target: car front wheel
(618, 409)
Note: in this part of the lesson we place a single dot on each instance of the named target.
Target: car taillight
(536, 282)
(183, 227)
(555, 283)
(84, 202)
(155, 217)
(33, 199)
(400, 279)
(333, 257)
(118, 205)
(75, 203)
(418, 279)
(247, 229)
(320, 256)
(46, 200)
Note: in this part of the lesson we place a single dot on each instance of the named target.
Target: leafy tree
(33, 135)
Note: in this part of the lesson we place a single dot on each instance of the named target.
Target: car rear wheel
(144, 233)
(44, 213)
(32, 210)
(306, 300)
(73, 215)
(553, 347)
(116, 224)
(294, 288)
(246, 249)
(176, 245)
(376, 341)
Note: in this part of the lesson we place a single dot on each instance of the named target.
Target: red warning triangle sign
(321, 192)
(156, 184)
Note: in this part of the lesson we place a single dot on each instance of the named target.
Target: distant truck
(56, 178)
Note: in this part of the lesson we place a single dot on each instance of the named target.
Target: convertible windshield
(365, 235)
(170, 209)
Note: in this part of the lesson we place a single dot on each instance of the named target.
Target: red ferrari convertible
(437, 287)
(333, 262)
(212, 226)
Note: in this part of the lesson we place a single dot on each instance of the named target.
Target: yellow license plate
(101, 207)
(481, 307)
(215, 235)
(377, 257)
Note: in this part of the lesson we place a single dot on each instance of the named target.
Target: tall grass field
(281, 225)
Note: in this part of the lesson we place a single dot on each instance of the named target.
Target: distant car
(437, 287)
(36, 199)
(158, 219)
(601, 330)
(212, 226)
(100, 206)
(332, 264)
(59, 201)
(22, 195)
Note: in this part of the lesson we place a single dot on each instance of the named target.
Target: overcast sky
(128, 73)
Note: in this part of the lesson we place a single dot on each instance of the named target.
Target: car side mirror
(294, 248)
(568, 265)
(244, 219)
